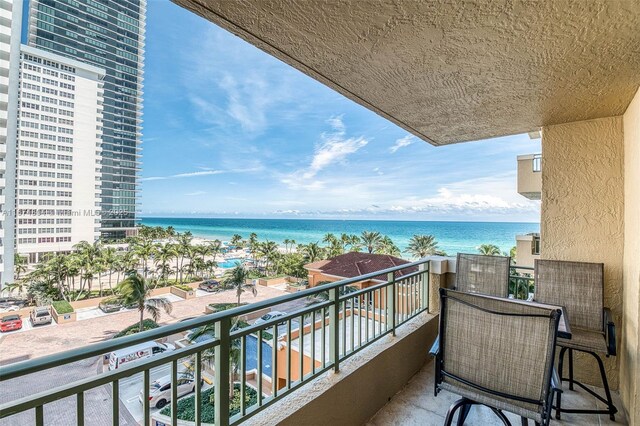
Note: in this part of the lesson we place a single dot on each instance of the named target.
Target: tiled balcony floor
(416, 405)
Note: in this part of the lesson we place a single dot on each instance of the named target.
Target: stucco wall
(630, 350)
(583, 210)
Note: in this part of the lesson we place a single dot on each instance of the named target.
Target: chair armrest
(435, 348)
(609, 332)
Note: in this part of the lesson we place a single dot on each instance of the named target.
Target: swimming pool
(229, 263)
(252, 355)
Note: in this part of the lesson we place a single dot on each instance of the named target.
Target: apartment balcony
(359, 349)
(530, 176)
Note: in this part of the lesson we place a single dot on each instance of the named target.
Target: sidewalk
(45, 341)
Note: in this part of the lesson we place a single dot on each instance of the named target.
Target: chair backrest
(497, 349)
(578, 286)
(483, 274)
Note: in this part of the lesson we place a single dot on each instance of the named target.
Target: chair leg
(561, 362)
(570, 369)
(603, 374)
(501, 416)
(558, 403)
(524, 421)
(452, 410)
(464, 412)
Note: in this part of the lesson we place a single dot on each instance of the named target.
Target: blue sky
(230, 131)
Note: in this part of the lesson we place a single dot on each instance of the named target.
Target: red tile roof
(354, 264)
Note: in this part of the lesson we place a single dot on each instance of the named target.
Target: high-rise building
(110, 35)
(59, 153)
(10, 25)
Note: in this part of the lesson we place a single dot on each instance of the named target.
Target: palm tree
(110, 258)
(208, 355)
(371, 240)
(268, 250)
(312, 252)
(236, 240)
(286, 244)
(513, 253)
(19, 264)
(237, 278)
(387, 246)
(89, 255)
(163, 256)
(489, 250)
(422, 245)
(135, 290)
(144, 249)
(184, 246)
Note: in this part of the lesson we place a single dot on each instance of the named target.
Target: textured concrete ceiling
(453, 71)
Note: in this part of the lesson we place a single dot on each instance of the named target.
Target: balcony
(530, 176)
(352, 344)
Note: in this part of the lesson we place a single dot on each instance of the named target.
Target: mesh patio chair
(496, 353)
(579, 287)
(483, 274)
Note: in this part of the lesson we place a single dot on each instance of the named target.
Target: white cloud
(334, 147)
(185, 175)
(195, 193)
(402, 142)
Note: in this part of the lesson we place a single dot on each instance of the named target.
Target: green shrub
(62, 307)
(273, 277)
(186, 406)
(182, 287)
(219, 307)
(147, 324)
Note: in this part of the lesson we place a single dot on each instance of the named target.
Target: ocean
(452, 237)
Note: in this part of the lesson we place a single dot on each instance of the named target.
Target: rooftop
(353, 264)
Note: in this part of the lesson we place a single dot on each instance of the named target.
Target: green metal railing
(521, 282)
(302, 345)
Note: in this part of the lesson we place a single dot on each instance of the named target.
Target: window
(29, 124)
(66, 104)
(66, 122)
(65, 157)
(49, 109)
(49, 118)
(63, 239)
(47, 183)
(45, 221)
(46, 193)
(64, 167)
(65, 130)
(49, 91)
(48, 128)
(47, 155)
(33, 96)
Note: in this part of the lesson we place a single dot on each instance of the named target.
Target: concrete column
(582, 215)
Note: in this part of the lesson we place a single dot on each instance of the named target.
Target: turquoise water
(452, 237)
(229, 263)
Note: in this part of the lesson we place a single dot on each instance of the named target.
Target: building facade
(58, 155)
(111, 36)
(10, 27)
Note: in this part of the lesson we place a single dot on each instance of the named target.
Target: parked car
(8, 301)
(109, 306)
(40, 315)
(271, 315)
(10, 323)
(134, 353)
(160, 390)
(209, 285)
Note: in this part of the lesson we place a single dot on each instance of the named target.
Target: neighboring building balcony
(337, 359)
(527, 249)
(530, 176)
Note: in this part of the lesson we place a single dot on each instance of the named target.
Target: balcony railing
(521, 282)
(289, 351)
